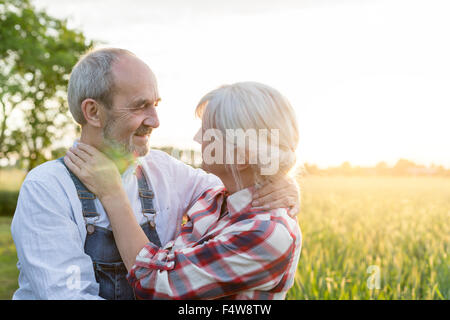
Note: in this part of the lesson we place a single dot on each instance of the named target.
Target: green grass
(8, 260)
(399, 225)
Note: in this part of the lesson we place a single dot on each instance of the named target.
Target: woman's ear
(91, 112)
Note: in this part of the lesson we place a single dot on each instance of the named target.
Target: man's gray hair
(92, 78)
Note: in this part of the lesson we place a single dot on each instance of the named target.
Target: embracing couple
(115, 220)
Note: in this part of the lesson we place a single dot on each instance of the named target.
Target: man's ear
(91, 111)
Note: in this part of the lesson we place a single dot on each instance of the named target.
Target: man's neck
(121, 159)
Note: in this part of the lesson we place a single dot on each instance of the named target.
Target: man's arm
(49, 244)
(282, 192)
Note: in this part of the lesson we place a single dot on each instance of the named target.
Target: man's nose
(151, 119)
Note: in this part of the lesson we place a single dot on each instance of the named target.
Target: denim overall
(110, 271)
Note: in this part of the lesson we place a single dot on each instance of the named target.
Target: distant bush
(8, 201)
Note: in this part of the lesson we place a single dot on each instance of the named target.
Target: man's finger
(294, 211)
(282, 203)
(277, 198)
(265, 200)
(275, 195)
(267, 190)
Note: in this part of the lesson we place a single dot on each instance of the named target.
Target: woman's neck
(247, 180)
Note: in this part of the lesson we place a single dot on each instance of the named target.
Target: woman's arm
(100, 175)
(251, 255)
(128, 234)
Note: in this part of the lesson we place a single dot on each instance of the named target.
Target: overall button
(90, 228)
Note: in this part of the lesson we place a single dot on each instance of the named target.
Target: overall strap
(146, 196)
(86, 197)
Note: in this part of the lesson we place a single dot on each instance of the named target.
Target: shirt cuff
(150, 258)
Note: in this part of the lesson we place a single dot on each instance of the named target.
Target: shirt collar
(240, 201)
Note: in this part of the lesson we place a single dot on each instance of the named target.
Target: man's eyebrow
(142, 101)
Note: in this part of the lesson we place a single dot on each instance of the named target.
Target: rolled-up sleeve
(49, 245)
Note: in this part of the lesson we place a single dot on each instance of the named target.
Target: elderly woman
(227, 248)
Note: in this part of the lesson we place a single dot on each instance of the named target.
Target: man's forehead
(135, 79)
(128, 68)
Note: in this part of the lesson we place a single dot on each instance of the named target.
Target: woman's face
(213, 151)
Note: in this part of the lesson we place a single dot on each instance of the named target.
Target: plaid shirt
(239, 253)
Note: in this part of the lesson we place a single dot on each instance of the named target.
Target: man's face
(131, 118)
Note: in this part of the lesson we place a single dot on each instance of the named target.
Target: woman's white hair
(256, 106)
(92, 78)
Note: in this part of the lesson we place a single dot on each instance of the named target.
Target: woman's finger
(87, 148)
(72, 166)
(81, 154)
(75, 159)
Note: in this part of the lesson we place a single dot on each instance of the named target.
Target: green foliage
(10, 181)
(8, 260)
(8, 201)
(37, 53)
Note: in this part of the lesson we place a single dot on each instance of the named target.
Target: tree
(381, 168)
(403, 166)
(37, 53)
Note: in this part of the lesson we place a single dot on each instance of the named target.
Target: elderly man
(64, 242)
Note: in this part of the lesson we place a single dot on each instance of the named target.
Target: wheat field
(374, 238)
(363, 238)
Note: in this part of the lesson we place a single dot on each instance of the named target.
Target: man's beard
(125, 146)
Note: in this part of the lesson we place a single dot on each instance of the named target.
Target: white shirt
(49, 230)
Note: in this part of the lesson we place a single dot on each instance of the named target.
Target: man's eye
(142, 107)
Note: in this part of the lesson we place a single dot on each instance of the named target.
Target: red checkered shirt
(238, 253)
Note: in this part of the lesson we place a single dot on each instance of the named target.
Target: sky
(369, 79)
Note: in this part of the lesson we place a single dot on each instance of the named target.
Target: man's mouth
(141, 133)
(142, 136)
